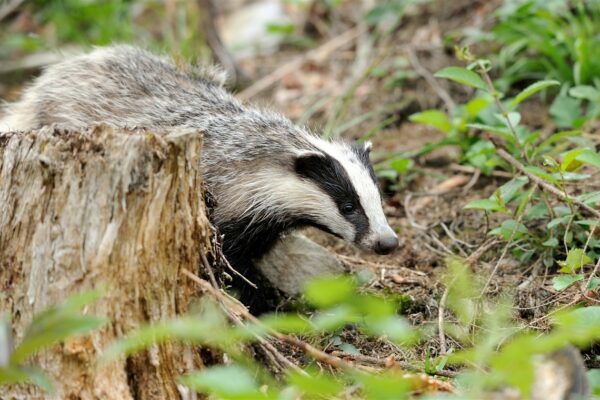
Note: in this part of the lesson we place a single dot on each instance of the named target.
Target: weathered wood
(103, 208)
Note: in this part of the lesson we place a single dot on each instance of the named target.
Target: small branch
(318, 355)
(477, 254)
(279, 358)
(425, 74)
(391, 362)
(494, 93)
(594, 272)
(9, 7)
(543, 184)
(441, 311)
(318, 53)
(472, 170)
(213, 39)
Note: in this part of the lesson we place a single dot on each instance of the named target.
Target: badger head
(341, 194)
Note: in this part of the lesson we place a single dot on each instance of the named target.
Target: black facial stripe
(332, 178)
(363, 156)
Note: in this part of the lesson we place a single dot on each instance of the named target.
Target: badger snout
(382, 242)
(386, 244)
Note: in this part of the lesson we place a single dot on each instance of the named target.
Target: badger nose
(386, 244)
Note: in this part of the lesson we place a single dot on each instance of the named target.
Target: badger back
(122, 86)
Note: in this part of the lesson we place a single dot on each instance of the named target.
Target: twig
(208, 26)
(504, 251)
(269, 348)
(543, 184)
(472, 182)
(38, 60)
(305, 347)
(509, 124)
(471, 170)
(441, 311)
(442, 188)
(8, 8)
(476, 255)
(594, 272)
(391, 362)
(209, 270)
(309, 350)
(425, 74)
(236, 272)
(318, 53)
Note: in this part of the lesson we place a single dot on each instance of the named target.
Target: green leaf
(558, 221)
(473, 107)
(286, 323)
(210, 327)
(552, 242)
(394, 328)
(589, 198)
(463, 76)
(559, 136)
(225, 381)
(435, 118)
(327, 292)
(585, 92)
(334, 318)
(537, 171)
(589, 157)
(484, 204)
(58, 323)
(566, 111)
(576, 258)
(594, 283)
(501, 131)
(513, 117)
(561, 282)
(507, 227)
(593, 376)
(15, 375)
(568, 163)
(321, 385)
(531, 90)
(401, 165)
(510, 188)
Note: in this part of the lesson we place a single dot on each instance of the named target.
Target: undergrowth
(548, 216)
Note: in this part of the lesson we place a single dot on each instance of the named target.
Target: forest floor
(360, 84)
(426, 205)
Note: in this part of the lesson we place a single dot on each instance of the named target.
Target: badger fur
(266, 175)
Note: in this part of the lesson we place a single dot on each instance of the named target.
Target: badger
(267, 176)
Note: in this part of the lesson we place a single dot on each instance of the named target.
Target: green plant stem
(541, 183)
(494, 93)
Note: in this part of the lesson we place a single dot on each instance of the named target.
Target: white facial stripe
(367, 191)
(270, 192)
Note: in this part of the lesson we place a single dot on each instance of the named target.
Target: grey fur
(248, 156)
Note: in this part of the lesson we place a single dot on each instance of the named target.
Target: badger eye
(347, 208)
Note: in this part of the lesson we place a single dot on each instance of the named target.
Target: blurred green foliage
(47, 328)
(44, 25)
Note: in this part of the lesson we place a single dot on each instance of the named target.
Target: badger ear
(308, 161)
(367, 146)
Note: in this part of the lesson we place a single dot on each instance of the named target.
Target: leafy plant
(538, 40)
(546, 166)
(47, 328)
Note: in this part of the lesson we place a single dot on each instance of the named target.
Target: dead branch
(9, 7)
(421, 380)
(433, 83)
(316, 54)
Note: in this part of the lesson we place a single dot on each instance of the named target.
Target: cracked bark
(102, 208)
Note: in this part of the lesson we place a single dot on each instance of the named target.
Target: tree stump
(123, 210)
